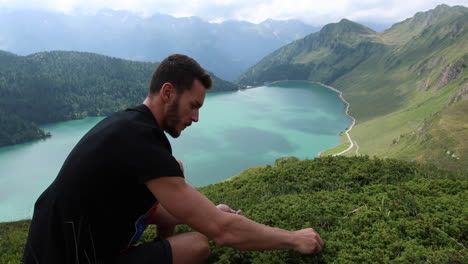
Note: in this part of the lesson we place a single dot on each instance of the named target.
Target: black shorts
(155, 252)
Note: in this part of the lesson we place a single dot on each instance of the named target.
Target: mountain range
(407, 85)
(226, 48)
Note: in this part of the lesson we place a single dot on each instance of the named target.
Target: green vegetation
(57, 86)
(339, 148)
(16, 130)
(367, 211)
(402, 82)
(437, 139)
(323, 56)
(13, 238)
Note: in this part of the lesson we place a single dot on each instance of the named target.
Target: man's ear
(167, 92)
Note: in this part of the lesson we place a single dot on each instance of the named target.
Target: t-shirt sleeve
(149, 157)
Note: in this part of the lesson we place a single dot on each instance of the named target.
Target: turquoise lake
(237, 130)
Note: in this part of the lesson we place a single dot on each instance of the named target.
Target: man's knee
(202, 245)
(190, 247)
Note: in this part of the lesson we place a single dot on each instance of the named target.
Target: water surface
(236, 130)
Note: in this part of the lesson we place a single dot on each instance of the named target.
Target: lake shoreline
(340, 95)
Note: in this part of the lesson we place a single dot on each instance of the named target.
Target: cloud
(315, 12)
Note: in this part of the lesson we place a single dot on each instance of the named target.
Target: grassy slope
(366, 210)
(12, 240)
(322, 56)
(400, 107)
(342, 146)
(437, 139)
(391, 79)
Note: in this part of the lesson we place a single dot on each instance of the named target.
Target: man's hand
(228, 209)
(307, 241)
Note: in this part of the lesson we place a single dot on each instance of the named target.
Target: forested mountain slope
(404, 85)
(56, 86)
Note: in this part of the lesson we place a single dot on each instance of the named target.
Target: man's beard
(172, 119)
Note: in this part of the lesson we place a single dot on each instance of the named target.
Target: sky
(313, 12)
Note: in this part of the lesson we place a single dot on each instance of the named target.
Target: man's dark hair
(179, 70)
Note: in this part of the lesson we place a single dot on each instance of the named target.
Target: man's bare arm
(191, 207)
(166, 222)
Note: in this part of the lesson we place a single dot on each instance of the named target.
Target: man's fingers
(228, 209)
(308, 241)
(319, 242)
(319, 245)
(318, 239)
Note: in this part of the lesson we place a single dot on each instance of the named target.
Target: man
(122, 176)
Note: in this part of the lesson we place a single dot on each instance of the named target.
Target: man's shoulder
(135, 125)
(128, 120)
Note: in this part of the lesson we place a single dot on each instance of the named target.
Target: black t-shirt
(99, 205)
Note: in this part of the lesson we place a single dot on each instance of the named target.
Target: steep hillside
(396, 81)
(323, 56)
(56, 86)
(366, 210)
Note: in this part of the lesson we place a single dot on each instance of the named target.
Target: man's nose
(195, 115)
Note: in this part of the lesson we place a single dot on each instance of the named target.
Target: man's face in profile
(184, 109)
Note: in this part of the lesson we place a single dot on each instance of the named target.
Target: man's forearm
(243, 233)
(227, 228)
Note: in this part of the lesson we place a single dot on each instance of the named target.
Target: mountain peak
(441, 11)
(433, 16)
(442, 8)
(347, 26)
(442, 15)
(345, 21)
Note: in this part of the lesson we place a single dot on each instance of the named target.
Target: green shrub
(366, 210)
